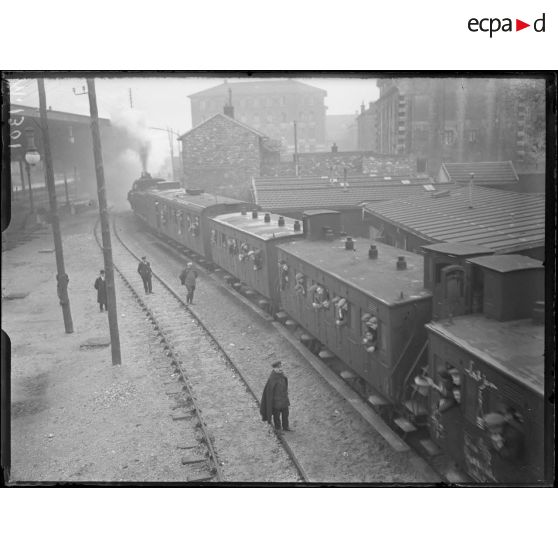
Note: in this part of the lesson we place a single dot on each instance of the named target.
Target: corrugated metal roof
(258, 227)
(293, 183)
(486, 173)
(501, 220)
(516, 347)
(334, 196)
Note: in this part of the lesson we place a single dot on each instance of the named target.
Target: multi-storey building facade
(459, 120)
(366, 128)
(270, 106)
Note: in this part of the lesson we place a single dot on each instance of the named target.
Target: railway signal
(105, 230)
(62, 278)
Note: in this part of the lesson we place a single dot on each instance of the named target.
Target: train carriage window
(180, 224)
(342, 313)
(283, 275)
(300, 284)
(370, 332)
(257, 258)
(244, 251)
(223, 240)
(213, 237)
(195, 228)
(320, 296)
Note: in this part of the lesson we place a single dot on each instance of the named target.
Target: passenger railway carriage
(245, 244)
(451, 341)
(368, 307)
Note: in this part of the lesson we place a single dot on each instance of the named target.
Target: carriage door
(452, 299)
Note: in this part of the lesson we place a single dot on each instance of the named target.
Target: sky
(163, 102)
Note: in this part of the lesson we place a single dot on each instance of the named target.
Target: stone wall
(221, 156)
(333, 164)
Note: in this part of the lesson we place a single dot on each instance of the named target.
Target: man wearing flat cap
(275, 398)
(144, 269)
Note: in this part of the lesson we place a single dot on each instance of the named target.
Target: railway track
(215, 398)
(332, 442)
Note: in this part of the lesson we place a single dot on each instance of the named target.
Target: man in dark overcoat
(144, 269)
(275, 398)
(101, 287)
(188, 278)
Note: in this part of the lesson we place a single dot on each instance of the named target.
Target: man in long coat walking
(188, 278)
(275, 398)
(101, 287)
(144, 269)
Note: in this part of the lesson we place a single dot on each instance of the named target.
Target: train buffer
(324, 354)
(290, 325)
(281, 317)
(404, 425)
(377, 401)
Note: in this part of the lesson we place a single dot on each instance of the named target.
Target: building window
(302, 115)
(269, 118)
(449, 137)
(473, 136)
(256, 102)
(282, 101)
(283, 118)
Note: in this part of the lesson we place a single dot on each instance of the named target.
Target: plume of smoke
(133, 122)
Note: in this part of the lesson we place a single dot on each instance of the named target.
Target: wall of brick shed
(221, 157)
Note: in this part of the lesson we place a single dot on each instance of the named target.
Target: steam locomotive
(446, 341)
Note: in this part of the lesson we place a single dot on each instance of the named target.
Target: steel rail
(222, 351)
(175, 361)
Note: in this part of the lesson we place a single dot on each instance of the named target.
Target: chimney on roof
(228, 109)
(334, 148)
(362, 107)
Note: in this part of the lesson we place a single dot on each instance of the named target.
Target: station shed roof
(323, 194)
(378, 278)
(515, 347)
(257, 227)
(486, 173)
(497, 219)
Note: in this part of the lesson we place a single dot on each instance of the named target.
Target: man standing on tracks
(144, 269)
(101, 287)
(188, 277)
(275, 398)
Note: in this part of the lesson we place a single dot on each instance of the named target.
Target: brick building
(270, 106)
(366, 128)
(459, 120)
(222, 155)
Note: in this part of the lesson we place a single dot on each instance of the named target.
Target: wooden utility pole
(62, 279)
(296, 149)
(105, 230)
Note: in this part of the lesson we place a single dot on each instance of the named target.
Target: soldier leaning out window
(370, 330)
